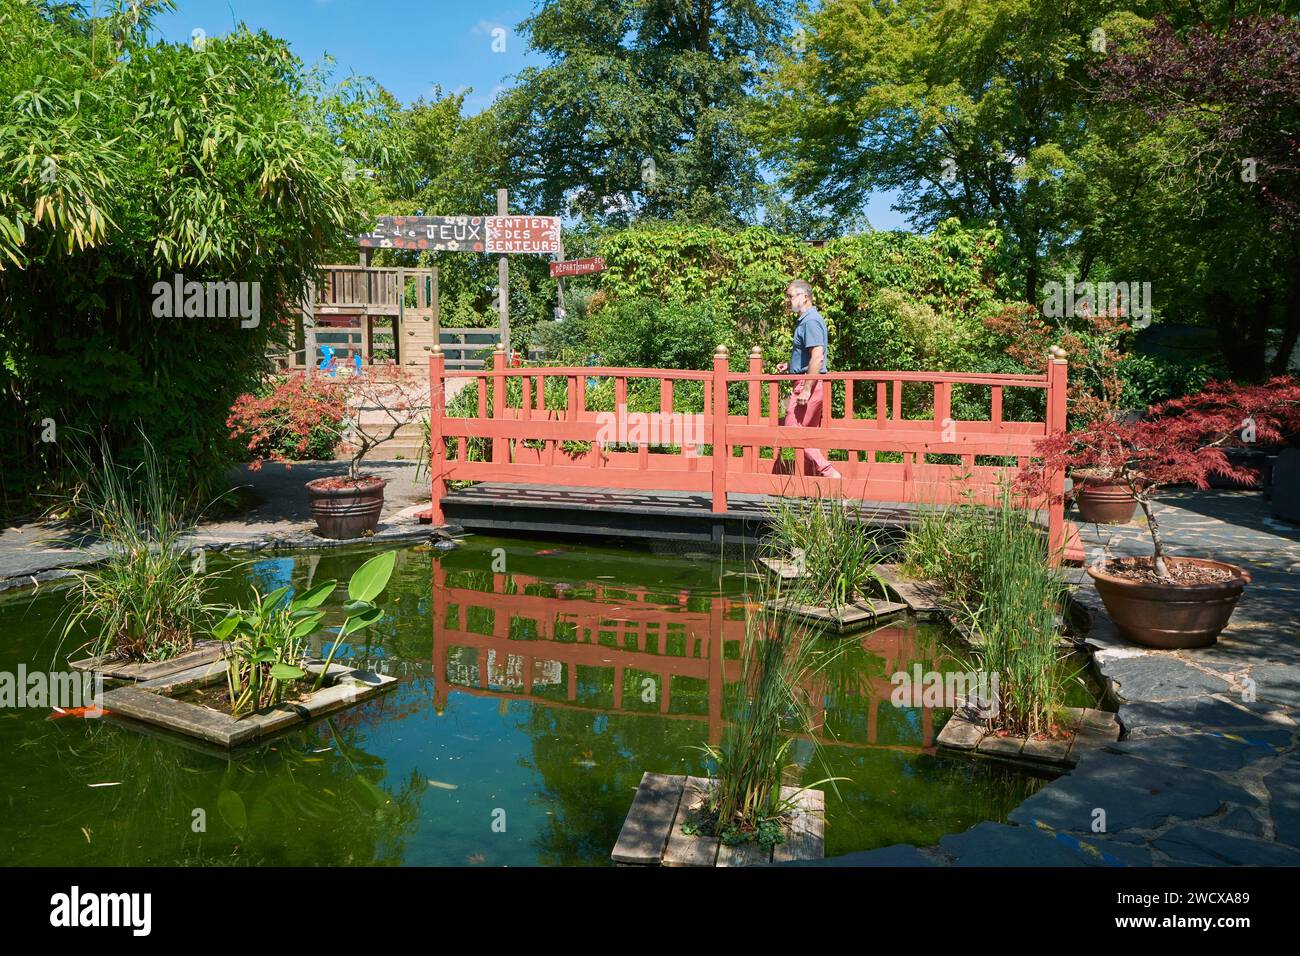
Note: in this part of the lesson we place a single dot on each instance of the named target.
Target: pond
(530, 702)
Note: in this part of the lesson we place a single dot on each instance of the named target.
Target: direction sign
(536, 234)
(488, 234)
(577, 267)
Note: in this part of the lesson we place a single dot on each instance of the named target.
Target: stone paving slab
(1188, 845)
(1208, 770)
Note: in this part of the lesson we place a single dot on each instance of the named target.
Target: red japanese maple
(366, 410)
(1182, 441)
(295, 412)
(1092, 339)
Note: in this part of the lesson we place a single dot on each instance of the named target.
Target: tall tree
(636, 114)
(1214, 163)
(967, 109)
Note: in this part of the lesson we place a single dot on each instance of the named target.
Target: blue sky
(409, 46)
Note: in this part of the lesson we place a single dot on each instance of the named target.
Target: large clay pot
(1104, 500)
(347, 512)
(1170, 616)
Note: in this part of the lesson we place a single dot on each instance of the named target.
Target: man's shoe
(832, 474)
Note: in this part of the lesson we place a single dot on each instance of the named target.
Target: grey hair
(799, 285)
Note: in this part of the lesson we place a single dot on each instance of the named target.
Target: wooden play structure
(381, 315)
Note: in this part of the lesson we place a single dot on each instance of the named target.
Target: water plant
(782, 662)
(265, 644)
(148, 597)
(992, 564)
(829, 543)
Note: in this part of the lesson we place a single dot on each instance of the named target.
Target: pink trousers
(810, 415)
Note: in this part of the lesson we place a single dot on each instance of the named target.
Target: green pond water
(529, 705)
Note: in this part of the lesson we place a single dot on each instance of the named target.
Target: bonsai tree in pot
(365, 409)
(1161, 600)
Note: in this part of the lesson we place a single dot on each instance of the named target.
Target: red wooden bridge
(543, 436)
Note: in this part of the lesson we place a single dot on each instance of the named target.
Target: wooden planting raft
(652, 832)
(1090, 729)
(853, 616)
(153, 696)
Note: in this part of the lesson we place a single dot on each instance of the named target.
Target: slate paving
(41, 551)
(1207, 772)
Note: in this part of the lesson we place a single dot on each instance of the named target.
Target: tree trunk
(1157, 543)
(1291, 321)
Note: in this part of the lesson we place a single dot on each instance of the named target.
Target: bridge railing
(541, 431)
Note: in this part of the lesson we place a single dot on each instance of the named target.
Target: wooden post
(437, 447)
(503, 279)
(1057, 379)
(721, 450)
(500, 446)
(399, 320)
(433, 304)
(559, 282)
(754, 414)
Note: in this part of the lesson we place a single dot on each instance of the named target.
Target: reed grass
(827, 538)
(148, 598)
(783, 663)
(993, 565)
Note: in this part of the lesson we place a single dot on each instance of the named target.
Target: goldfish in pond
(88, 713)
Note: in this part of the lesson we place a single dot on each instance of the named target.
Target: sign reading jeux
(488, 234)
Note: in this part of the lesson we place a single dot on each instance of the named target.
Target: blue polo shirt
(810, 332)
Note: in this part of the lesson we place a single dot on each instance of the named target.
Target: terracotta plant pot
(1104, 500)
(349, 511)
(1170, 616)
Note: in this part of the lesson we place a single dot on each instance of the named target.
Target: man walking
(808, 359)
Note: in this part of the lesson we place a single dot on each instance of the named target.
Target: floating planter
(162, 702)
(261, 659)
(653, 833)
(848, 618)
(855, 615)
(203, 653)
(921, 596)
(1090, 729)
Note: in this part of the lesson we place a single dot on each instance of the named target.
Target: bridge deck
(622, 513)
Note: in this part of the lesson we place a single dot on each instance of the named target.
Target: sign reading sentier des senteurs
(496, 235)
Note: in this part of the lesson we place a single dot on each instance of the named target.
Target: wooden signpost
(502, 234)
(539, 235)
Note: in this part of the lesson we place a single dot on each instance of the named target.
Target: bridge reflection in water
(674, 654)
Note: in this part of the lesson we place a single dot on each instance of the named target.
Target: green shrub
(1150, 379)
(217, 164)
